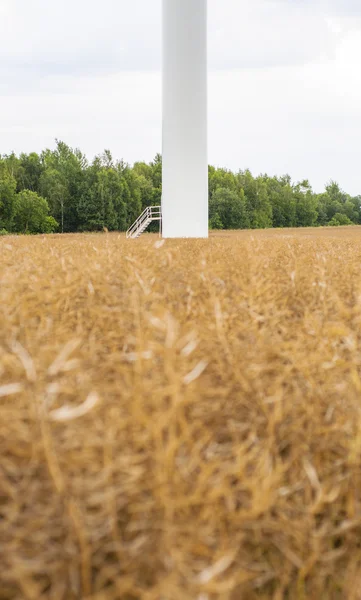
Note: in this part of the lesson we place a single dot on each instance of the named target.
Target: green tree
(221, 178)
(62, 183)
(132, 193)
(102, 202)
(11, 166)
(54, 188)
(150, 195)
(340, 219)
(31, 169)
(153, 173)
(7, 201)
(228, 209)
(335, 193)
(215, 222)
(350, 210)
(259, 207)
(283, 202)
(112, 194)
(356, 201)
(335, 201)
(31, 214)
(306, 205)
(156, 167)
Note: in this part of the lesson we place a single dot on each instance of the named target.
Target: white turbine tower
(184, 210)
(185, 164)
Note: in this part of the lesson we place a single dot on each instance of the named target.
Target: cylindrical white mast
(185, 163)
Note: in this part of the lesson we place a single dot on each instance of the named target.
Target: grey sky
(284, 83)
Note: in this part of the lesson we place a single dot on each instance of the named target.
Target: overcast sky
(284, 82)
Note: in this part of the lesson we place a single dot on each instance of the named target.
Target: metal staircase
(151, 213)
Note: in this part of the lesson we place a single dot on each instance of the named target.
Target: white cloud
(349, 8)
(303, 120)
(81, 36)
(285, 83)
(88, 37)
(267, 33)
(121, 112)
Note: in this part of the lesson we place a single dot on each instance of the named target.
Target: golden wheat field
(181, 420)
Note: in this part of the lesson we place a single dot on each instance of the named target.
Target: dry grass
(181, 421)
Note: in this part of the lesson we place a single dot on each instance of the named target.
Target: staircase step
(140, 228)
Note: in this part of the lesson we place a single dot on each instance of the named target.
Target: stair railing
(151, 213)
(138, 223)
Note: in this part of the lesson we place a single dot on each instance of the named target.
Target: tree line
(60, 190)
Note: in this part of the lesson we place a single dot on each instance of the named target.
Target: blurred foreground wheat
(181, 420)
